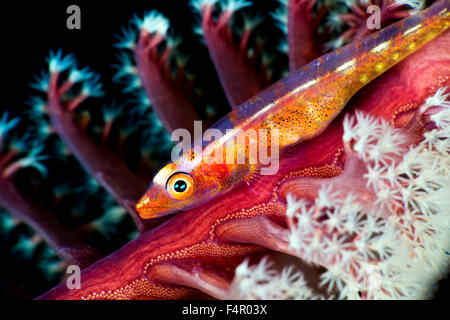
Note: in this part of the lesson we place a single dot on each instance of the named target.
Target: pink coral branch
(102, 164)
(171, 104)
(259, 230)
(304, 45)
(235, 69)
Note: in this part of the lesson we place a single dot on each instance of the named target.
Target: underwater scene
(225, 150)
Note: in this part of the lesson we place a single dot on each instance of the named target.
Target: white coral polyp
(395, 248)
(262, 282)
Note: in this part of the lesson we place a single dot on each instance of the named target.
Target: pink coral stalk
(235, 69)
(170, 101)
(303, 40)
(358, 246)
(390, 11)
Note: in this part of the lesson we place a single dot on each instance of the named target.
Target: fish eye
(180, 186)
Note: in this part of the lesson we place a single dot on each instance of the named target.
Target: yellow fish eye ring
(180, 186)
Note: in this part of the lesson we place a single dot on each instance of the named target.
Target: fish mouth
(147, 212)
